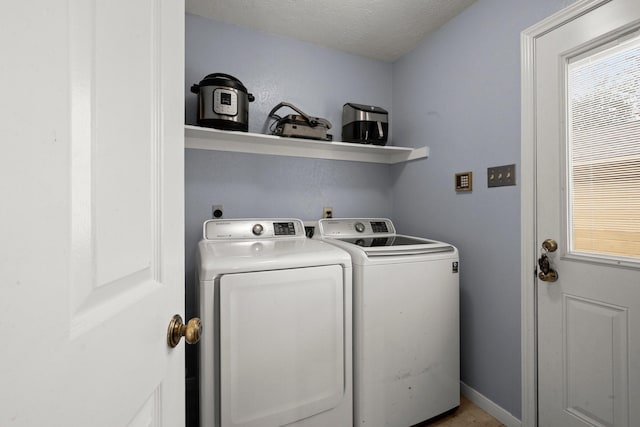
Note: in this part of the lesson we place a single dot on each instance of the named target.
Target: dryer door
(282, 355)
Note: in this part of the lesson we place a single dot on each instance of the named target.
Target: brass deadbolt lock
(547, 273)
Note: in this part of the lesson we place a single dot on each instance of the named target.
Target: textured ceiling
(380, 29)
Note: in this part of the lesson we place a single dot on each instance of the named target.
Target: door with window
(587, 189)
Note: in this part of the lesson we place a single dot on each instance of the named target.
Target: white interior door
(91, 265)
(587, 142)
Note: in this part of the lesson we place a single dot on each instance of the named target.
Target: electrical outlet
(216, 211)
(327, 212)
(500, 176)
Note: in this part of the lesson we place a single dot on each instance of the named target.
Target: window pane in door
(603, 117)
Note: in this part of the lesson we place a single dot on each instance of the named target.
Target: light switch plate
(500, 176)
(464, 181)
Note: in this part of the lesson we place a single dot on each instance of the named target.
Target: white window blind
(603, 109)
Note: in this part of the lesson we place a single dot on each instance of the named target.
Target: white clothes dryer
(406, 322)
(275, 306)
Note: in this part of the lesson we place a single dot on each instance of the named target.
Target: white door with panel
(92, 255)
(587, 126)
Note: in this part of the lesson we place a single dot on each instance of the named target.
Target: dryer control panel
(253, 228)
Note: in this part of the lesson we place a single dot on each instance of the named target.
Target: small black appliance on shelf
(364, 124)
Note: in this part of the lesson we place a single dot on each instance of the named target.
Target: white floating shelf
(242, 142)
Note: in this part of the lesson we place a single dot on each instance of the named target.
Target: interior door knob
(191, 331)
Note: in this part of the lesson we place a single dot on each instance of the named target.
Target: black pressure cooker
(223, 102)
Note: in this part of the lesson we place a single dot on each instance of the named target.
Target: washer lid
(396, 245)
(376, 237)
(394, 240)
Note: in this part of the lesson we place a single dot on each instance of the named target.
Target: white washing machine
(276, 308)
(406, 322)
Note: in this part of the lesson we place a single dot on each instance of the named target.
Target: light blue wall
(459, 93)
(275, 69)
(250, 186)
(315, 79)
(318, 81)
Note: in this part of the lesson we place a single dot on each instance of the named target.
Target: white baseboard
(487, 405)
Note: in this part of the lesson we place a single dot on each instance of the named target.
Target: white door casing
(92, 263)
(577, 332)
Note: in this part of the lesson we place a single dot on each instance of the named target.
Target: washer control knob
(257, 229)
(359, 227)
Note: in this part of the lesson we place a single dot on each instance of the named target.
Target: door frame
(528, 250)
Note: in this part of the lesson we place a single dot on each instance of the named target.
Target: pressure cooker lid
(221, 79)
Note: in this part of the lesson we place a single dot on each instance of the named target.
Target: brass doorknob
(550, 245)
(191, 331)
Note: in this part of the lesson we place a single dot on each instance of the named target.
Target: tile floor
(468, 414)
